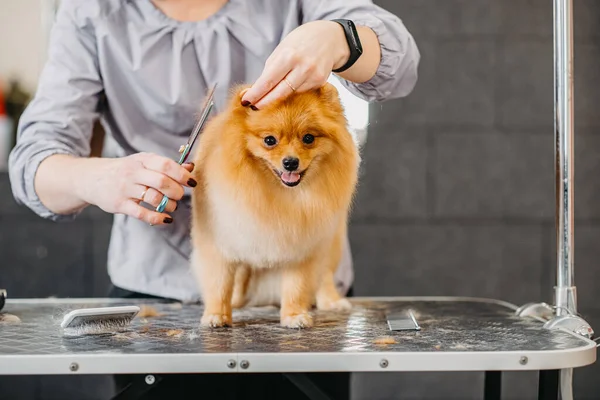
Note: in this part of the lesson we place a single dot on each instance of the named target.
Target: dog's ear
(235, 98)
(330, 94)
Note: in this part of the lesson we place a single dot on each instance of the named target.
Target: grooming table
(457, 334)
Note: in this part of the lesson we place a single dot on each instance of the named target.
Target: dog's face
(293, 137)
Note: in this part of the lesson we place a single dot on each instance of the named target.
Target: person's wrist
(86, 177)
(341, 50)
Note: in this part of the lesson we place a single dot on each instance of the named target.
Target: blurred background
(457, 192)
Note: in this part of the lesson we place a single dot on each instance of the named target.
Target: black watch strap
(353, 42)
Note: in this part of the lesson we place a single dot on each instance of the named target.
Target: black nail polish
(254, 108)
(168, 220)
(245, 103)
(191, 182)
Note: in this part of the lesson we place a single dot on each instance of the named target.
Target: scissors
(184, 150)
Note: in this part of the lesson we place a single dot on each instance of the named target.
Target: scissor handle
(184, 150)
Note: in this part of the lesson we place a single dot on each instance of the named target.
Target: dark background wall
(456, 198)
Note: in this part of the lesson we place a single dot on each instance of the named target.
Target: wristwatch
(353, 42)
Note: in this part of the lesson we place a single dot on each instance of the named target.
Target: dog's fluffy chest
(243, 236)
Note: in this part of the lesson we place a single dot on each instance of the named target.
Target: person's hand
(119, 185)
(302, 61)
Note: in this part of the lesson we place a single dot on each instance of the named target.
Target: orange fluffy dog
(270, 211)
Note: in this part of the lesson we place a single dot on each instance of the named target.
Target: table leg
(492, 386)
(308, 387)
(548, 385)
(137, 388)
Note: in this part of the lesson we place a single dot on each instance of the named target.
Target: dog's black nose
(291, 163)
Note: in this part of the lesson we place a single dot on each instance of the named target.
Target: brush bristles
(98, 327)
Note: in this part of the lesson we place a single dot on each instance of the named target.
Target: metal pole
(565, 294)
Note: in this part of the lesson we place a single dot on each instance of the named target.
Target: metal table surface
(457, 334)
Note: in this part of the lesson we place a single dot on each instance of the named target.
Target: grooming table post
(565, 294)
(564, 313)
(492, 385)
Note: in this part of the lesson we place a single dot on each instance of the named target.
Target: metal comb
(403, 321)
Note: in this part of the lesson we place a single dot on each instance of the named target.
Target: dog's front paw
(215, 320)
(334, 305)
(297, 321)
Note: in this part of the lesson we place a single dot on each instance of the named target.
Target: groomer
(143, 67)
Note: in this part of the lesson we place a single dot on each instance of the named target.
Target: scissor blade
(208, 104)
(206, 108)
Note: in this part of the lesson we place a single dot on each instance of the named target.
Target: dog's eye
(270, 141)
(308, 138)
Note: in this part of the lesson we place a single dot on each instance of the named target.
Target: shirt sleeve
(60, 117)
(397, 73)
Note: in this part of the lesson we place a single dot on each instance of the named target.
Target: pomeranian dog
(271, 208)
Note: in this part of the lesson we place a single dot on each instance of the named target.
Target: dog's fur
(257, 241)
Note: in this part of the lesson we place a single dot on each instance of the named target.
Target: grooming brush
(184, 150)
(97, 321)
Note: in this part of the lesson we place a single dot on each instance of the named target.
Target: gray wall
(456, 197)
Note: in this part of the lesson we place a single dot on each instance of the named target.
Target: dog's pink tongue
(290, 177)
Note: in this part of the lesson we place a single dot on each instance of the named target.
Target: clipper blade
(98, 321)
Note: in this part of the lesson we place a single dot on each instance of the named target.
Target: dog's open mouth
(289, 178)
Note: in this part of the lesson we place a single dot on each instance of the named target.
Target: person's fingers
(133, 209)
(151, 196)
(154, 198)
(188, 166)
(168, 167)
(162, 183)
(291, 83)
(279, 64)
(137, 192)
